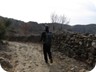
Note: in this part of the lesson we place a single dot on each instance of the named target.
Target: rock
(82, 70)
(5, 64)
(81, 47)
(1, 69)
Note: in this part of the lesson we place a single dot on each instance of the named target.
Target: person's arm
(41, 38)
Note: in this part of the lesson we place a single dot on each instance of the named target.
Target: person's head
(46, 28)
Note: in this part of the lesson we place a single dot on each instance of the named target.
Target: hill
(20, 28)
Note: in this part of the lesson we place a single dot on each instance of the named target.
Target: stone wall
(31, 38)
(75, 45)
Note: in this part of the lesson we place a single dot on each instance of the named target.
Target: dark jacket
(46, 37)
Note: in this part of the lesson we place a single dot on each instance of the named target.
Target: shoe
(51, 61)
(48, 64)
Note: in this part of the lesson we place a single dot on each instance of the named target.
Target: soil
(28, 57)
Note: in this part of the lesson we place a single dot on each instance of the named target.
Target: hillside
(91, 28)
(20, 28)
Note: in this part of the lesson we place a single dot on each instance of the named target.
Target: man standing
(46, 37)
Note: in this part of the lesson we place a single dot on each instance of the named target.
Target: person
(46, 37)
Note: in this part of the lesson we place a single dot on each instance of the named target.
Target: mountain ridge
(31, 27)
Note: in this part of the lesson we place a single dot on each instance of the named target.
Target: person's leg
(49, 53)
(45, 53)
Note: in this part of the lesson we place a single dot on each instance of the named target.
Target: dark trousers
(47, 52)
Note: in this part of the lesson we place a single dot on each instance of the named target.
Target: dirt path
(28, 57)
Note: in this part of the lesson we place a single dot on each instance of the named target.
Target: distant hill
(18, 27)
(91, 28)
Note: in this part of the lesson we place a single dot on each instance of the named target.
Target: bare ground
(28, 57)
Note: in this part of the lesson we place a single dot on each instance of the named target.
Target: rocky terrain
(81, 47)
(28, 57)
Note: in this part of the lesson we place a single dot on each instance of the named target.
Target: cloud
(83, 20)
(40, 10)
(85, 14)
(90, 7)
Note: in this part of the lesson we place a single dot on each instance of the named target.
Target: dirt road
(28, 57)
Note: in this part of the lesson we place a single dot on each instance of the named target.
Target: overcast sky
(78, 11)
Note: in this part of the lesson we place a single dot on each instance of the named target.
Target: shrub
(4, 24)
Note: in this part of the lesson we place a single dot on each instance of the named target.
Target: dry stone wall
(75, 45)
(31, 38)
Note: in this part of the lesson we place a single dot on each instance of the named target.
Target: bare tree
(62, 19)
(54, 18)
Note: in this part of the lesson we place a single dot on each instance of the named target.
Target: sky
(77, 11)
